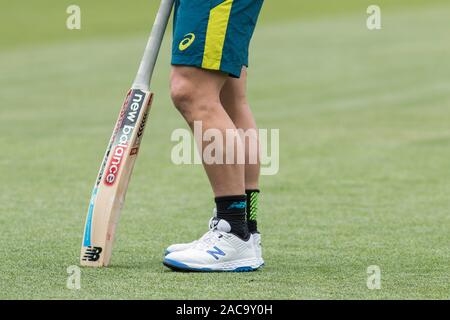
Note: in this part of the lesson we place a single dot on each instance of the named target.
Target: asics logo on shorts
(187, 41)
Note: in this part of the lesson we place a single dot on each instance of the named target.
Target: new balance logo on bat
(92, 253)
(114, 165)
(122, 140)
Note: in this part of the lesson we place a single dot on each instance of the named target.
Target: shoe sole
(181, 267)
(260, 262)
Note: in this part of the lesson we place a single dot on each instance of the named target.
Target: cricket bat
(110, 188)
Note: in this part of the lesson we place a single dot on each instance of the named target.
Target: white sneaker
(217, 250)
(184, 246)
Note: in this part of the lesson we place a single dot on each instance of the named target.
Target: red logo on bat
(112, 171)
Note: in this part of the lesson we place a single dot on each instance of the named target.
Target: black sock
(252, 209)
(232, 210)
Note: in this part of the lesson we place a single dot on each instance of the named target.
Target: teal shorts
(214, 34)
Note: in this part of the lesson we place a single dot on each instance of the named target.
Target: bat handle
(144, 75)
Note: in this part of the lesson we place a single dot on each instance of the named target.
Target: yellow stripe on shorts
(215, 35)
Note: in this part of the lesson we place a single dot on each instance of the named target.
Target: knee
(181, 92)
(189, 101)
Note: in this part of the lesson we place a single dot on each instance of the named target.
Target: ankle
(232, 209)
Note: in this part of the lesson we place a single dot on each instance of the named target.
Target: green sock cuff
(252, 204)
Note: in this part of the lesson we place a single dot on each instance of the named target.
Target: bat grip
(148, 62)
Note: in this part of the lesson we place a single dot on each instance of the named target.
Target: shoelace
(207, 234)
(209, 239)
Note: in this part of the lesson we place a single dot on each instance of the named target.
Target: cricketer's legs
(201, 95)
(196, 94)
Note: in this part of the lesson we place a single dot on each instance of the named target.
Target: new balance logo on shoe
(217, 252)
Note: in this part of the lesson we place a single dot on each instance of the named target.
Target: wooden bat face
(111, 185)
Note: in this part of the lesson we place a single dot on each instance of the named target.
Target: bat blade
(110, 188)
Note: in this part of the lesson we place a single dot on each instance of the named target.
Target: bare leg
(196, 94)
(234, 99)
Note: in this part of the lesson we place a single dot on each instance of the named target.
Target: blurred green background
(43, 21)
(364, 147)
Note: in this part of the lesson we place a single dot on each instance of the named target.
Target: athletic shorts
(214, 34)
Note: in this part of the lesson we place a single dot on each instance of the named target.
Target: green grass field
(364, 153)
